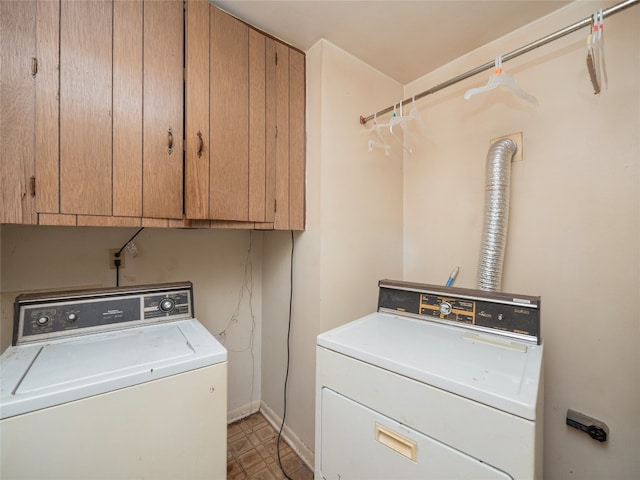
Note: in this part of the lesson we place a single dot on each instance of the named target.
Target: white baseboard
(305, 454)
(243, 411)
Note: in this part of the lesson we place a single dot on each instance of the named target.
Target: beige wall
(353, 236)
(52, 258)
(574, 224)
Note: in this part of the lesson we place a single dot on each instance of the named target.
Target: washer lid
(45, 374)
(498, 372)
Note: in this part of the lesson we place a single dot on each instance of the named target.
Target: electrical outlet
(516, 137)
(112, 257)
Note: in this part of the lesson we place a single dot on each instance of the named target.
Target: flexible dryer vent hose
(496, 214)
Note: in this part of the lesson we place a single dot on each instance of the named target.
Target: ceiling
(403, 39)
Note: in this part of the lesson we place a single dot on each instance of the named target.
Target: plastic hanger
(380, 143)
(499, 78)
(598, 34)
(592, 61)
(396, 119)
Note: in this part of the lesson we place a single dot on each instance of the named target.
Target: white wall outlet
(516, 137)
(112, 257)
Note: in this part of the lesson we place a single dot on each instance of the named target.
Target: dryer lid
(498, 372)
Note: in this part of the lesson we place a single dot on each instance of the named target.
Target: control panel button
(43, 320)
(72, 317)
(167, 305)
(445, 308)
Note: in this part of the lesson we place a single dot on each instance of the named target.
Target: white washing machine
(440, 383)
(113, 383)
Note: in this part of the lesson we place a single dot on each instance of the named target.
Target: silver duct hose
(496, 214)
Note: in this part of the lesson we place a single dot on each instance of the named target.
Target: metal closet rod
(516, 53)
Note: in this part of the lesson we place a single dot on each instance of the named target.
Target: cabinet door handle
(200, 144)
(170, 145)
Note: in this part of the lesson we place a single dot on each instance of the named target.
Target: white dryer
(113, 383)
(440, 383)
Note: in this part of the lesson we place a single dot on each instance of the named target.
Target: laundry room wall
(54, 258)
(574, 228)
(353, 236)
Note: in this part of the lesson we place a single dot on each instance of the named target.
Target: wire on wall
(286, 377)
(117, 260)
(246, 286)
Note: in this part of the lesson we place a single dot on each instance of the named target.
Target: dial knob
(72, 317)
(167, 304)
(43, 320)
(445, 308)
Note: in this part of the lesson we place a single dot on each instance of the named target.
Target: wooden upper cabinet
(127, 107)
(108, 128)
(297, 140)
(291, 139)
(244, 151)
(85, 107)
(229, 107)
(163, 112)
(197, 143)
(17, 104)
(110, 117)
(217, 114)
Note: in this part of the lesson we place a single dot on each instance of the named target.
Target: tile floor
(252, 454)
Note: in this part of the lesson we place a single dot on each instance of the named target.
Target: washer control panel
(43, 316)
(502, 313)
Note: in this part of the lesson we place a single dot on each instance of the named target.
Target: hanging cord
(247, 286)
(117, 261)
(286, 377)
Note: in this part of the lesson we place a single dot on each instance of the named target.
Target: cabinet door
(85, 107)
(99, 113)
(297, 140)
(17, 104)
(290, 143)
(197, 148)
(257, 126)
(127, 107)
(229, 67)
(163, 109)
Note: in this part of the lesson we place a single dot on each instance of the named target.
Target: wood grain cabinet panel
(85, 107)
(127, 107)
(106, 106)
(47, 112)
(162, 172)
(197, 84)
(231, 146)
(99, 92)
(229, 66)
(17, 104)
(297, 141)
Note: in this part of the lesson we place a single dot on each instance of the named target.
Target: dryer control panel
(516, 316)
(61, 314)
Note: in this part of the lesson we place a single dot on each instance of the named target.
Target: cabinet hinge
(34, 67)
(32, 186)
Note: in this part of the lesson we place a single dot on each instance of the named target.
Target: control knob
(72, 317)
(167, 305)
(42, 321)
(445, 308)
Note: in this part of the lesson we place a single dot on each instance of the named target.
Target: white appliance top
(499, 372)
(43, 374)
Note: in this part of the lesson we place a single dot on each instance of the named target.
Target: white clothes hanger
(395, 120)
(499, 78)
